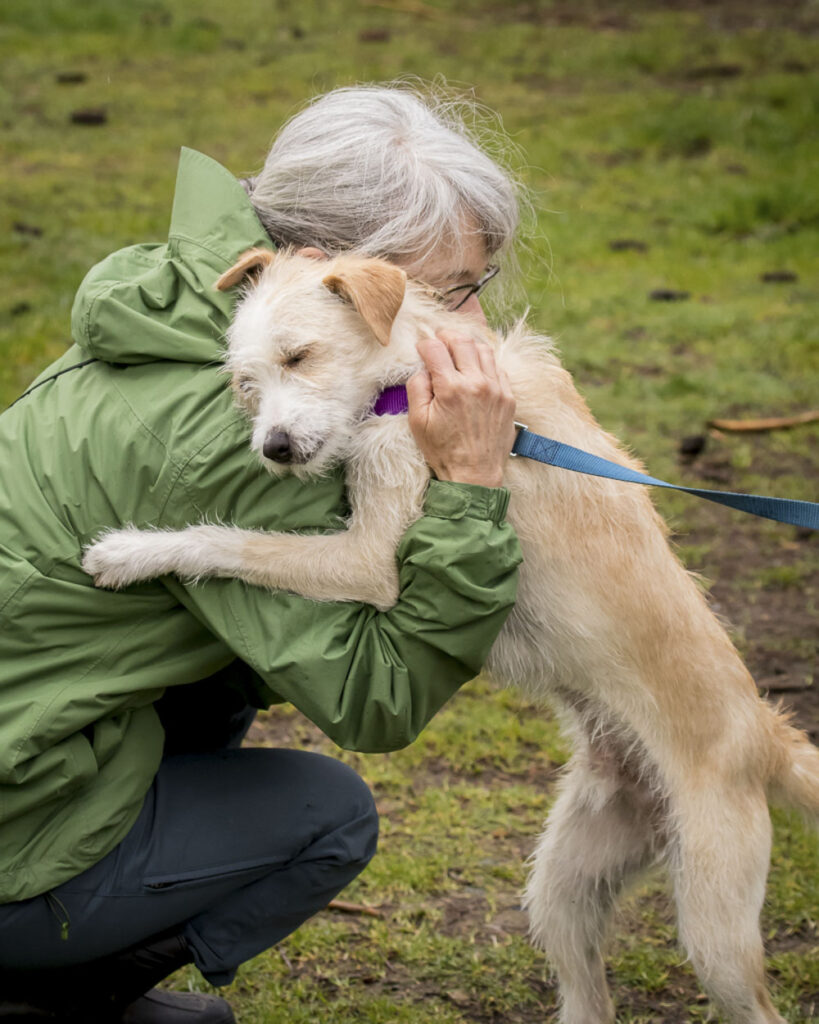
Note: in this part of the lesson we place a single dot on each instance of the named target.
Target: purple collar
(391, 401)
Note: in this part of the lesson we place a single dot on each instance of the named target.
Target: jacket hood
(151, 302)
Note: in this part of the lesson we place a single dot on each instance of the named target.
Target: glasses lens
(456, 297)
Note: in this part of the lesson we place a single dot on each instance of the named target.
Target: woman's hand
(461, 410)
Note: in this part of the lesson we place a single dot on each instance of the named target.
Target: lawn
(669, 148)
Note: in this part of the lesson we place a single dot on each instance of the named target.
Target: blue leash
(555, 453)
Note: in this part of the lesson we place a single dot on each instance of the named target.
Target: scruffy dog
(675, 754)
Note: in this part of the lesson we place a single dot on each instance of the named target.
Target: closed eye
(295, 358)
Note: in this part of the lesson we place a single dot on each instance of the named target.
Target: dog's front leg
(353, 565)
(357, 564)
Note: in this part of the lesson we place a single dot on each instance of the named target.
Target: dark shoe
(158, 1007)
(96, 992)
(23, 1013)
(155, 1007)
(132, 973)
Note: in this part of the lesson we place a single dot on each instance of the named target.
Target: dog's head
(309, 349)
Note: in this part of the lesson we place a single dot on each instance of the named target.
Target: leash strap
(554, 453)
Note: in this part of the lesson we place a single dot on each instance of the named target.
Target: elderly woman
(135, 835)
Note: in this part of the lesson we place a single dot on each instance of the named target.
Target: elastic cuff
(448, 500)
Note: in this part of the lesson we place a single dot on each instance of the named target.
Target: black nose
(277, 446)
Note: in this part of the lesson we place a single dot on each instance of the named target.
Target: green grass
(627, 130)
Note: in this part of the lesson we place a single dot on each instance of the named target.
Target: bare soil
(623, 15)
(775, 625)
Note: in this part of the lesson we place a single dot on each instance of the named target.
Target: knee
(308, 802)
(355, 816)
(333, 808)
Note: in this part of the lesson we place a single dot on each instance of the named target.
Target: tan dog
(675, 754)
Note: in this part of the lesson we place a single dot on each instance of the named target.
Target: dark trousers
(234, 848)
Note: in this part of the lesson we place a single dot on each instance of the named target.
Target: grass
(687, 128)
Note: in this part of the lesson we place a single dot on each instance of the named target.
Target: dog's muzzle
(279, 447)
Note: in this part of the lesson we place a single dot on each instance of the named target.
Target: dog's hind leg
(598, 835)
(719, 856)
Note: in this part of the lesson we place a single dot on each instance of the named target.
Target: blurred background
(671, 154)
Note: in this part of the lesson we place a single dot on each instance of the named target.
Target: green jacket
(135, 424)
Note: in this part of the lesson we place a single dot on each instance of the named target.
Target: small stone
(627, 244)
(778, 276)
(668, 295)
(89, 115)
(27, 229)
(71, 77)
(693, 445)
(714, 71)
(458, 997)
(374, 35)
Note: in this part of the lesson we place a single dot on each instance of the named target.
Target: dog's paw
(117, 559)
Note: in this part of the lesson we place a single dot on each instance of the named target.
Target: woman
(135, 836)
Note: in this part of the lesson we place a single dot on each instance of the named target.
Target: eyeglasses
(461, 293)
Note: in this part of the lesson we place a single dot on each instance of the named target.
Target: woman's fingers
(463, 352)
(419, 394)
(437, 360)
(486, 357)
(461, 409)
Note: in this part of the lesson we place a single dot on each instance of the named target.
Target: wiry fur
(675, 753)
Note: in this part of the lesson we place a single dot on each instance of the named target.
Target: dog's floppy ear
(248, 262)
(374, 288)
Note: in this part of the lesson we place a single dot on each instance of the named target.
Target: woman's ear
(374, 288)
(251, 262)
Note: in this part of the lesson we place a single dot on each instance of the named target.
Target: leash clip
(519, 426)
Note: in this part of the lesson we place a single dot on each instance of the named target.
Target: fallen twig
(784, 683)
(773, 423)
(353, 908)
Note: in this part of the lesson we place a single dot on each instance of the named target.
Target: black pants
(234, 848)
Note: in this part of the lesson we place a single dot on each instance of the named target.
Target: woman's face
(444, 270)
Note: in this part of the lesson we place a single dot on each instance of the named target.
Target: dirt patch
(765, 586)
(623, 15)
(437, 773)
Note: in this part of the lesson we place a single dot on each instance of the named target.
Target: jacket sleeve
(372, 680)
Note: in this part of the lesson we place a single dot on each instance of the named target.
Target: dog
(675, 755)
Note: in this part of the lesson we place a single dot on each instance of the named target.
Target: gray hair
(390, 172)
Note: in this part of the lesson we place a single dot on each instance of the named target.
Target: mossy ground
(685, 129)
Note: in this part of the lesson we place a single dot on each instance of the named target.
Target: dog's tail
(795, 777)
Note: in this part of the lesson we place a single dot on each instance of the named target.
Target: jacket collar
(211, 209)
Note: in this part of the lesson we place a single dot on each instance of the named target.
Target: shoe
(134, 972)
(155, 1007)
(158, 1007)
(22, 1013)
(97, 992)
